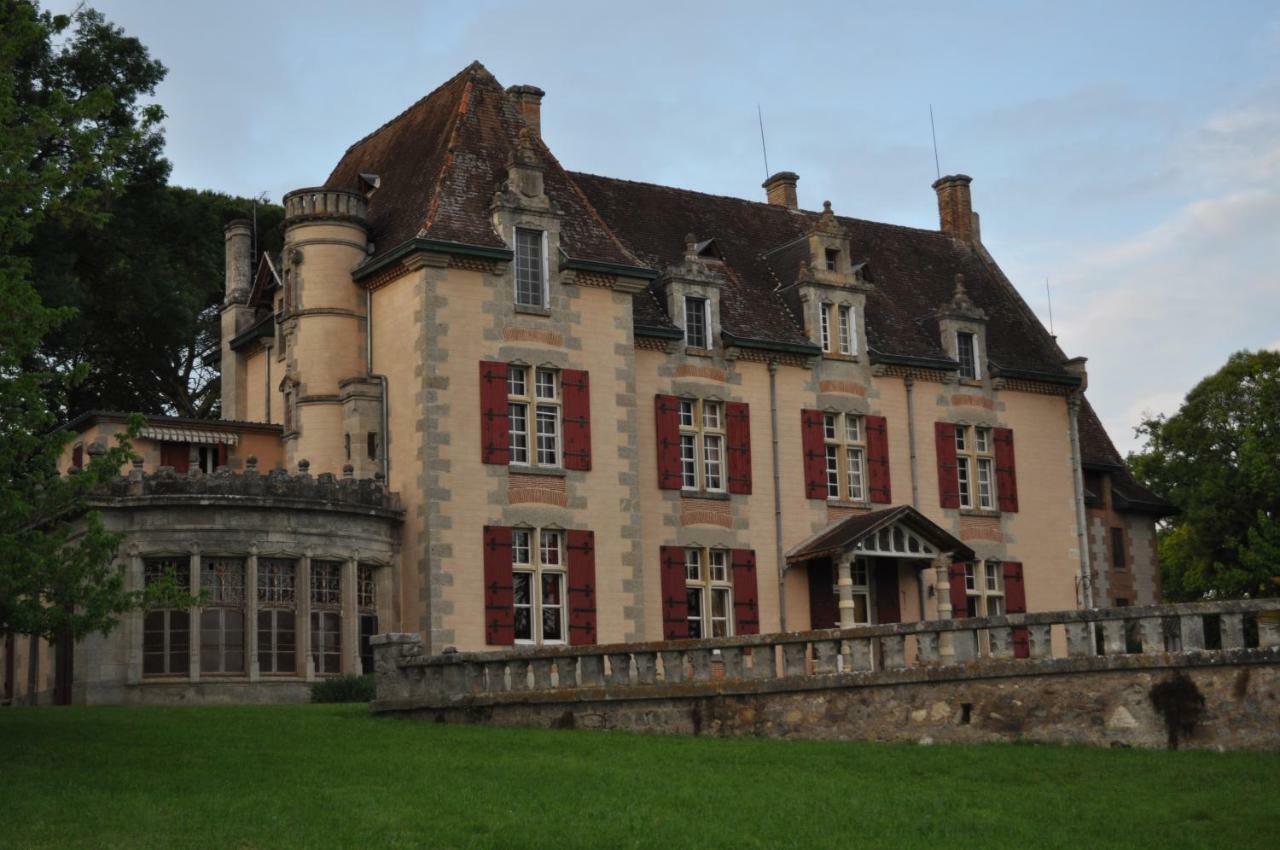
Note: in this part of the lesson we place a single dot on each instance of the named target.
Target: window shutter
(577, 419)
(746, 613)
(667, 418)
(738, 437)
(1015, 602)
(222, 455)
(878, 460)
(177, 455)
(495, 430)
(582, 587)
(815, 456)
(948, 483)
(959, 596)
(888, 609)
(1006, 475)
(675, 601)
(499, 596)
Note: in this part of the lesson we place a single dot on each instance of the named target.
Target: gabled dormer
(963, 326)
(692, 292)
(529, 223)
(833, 290)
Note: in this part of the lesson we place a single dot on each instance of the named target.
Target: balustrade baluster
(1000, 642)
(893, 652)
(1113, 637)
(672, 666)
(518, 674)
(1079, 639)
(566, 671)
(1151, 634)
(1232, 630)
(860, 653)
(1191, 626)
(473, 672)
(793, 659)
(620, 668)
(825, 653)
(646, 668)
(541, 674)
(591, 670)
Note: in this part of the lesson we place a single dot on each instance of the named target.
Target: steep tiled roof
(1097, 450)
(442, 159)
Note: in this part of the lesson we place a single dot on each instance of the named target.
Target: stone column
(134, 580)
(193, 660)
(350, 622)
(942, 588)
(308, 666)
(251, 613)
(844, 585)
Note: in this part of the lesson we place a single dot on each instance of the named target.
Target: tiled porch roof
(847, 533)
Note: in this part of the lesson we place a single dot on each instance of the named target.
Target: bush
(344, 689)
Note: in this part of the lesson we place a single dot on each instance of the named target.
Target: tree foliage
(1218, 461)
(72, 131)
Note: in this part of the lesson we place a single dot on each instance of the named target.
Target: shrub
(344, 689)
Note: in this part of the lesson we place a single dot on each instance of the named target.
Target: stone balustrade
(325, 203)
(408, 679)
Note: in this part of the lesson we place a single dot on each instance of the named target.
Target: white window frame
(535, 421)
(977, 358)
(702, 446)
(544, 267)
(709, 577)
(975, 467)
(847, 334)
(535, 546)
(824, 326)
(845, 438)
(706, 321)
(984, 581)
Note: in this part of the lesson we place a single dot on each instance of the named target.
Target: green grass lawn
(312, 776)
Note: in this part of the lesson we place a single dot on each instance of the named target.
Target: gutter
(1033, 375)
(609, 268)
(414, 245)
(940, 364)
(806, 348)
(1077, 479)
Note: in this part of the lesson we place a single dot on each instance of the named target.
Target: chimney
(528, 100)
(955, 208)
(781, 189)
(239, 273)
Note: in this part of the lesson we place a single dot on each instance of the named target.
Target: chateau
(495, 402)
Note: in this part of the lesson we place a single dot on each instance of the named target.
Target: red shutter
(177, 455)
(577, 419)
(746, 611)
(888, 609)
(878, 460)
(667, 417)
(1006, 475)
(738, 436)
(815, 454)
(222, 455)
(495, 430)
(1015, 602)
(948, 483)
(959, 596)
(675, 602)
(499, 597)
(582, 587)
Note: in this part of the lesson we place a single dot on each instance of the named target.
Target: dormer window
(967, 354)
(531, 269)
(833, 260)
(696, 323)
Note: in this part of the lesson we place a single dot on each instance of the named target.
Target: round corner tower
(332, 407)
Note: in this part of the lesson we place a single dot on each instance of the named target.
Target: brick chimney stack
(528, 100)
(955, 207)
(781, 189)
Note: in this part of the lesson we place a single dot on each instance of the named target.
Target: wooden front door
(824, 613)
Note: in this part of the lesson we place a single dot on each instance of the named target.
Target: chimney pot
(955, 207)
(780, 189)
(528, 100)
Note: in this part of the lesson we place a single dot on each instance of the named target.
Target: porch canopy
(901, 532)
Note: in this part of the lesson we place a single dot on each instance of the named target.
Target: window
(824, 326)
(326, 616)
(367, 608)
(277, 622)
(967, 354)
(702, 445)
(538, 580)
(975, 467)
(542, 427)
(222, 618)
(846, 449)
(695, 323)
(846, 330)
(708, 592)
(207, 458)
(833, 260)
(371, 445)
(531, 284)
(1119, 558)
(984, 589)
(166, 635)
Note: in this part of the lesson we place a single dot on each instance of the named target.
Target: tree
(147, 291)
(71, 130)
(1218, 461)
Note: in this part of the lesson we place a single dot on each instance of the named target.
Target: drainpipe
(777, 495)
(1077, 479)
(910, 383)
(382, 379)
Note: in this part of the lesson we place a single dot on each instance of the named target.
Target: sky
(1127, 153)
